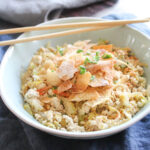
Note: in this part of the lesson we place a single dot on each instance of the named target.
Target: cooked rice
(84, 86)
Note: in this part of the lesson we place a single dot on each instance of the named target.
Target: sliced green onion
(54, 87)
(82, 69)
(61, 50)
(97, 53)
(87, 60)
(88, 53)
(79, 50)
(106, 56)
(92, 77)
(97, 56)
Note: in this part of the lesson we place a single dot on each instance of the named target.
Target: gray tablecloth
(31, 12)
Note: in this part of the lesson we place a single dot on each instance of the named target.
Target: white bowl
(17, 58)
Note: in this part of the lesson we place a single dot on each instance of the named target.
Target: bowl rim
(79, 135)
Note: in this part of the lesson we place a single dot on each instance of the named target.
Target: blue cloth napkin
(16, 135)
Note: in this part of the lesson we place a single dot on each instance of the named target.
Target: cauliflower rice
(84, 86)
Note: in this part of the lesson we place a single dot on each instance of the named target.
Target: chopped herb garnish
(82, 69)
(106, 56)
(88, 53)
(79, 50)
(60, 50)
(52, 70)
(54, 87)
(97, 53)
(92, 77)
(97, 56)
(96, 59)
(87, 60)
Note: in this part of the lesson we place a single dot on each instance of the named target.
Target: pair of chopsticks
(84, 27)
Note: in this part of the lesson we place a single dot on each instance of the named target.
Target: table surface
(140, 8)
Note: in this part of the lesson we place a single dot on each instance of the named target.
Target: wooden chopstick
(52, 35)
(90, 26)
(73, 25)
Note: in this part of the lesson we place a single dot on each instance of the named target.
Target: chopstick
(73, 25)
(52, 35)
(90, 26)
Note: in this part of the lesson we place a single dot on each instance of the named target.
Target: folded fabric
(31, 12)
(16, 135)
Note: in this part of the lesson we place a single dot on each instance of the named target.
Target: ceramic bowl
(18, 56)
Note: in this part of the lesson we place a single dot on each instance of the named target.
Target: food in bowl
(84, 86)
